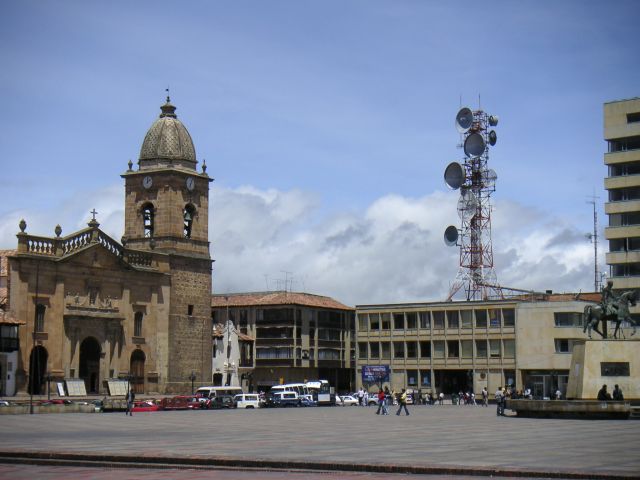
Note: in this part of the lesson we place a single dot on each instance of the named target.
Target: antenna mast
(476, 182)
(594, 239)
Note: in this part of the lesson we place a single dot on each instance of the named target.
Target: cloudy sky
(327, 127)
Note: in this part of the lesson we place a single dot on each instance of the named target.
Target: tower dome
(167, 143)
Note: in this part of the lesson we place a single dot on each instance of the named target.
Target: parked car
(305, 401)
(145, 406)
(283, 399)
(247, 400)
(181, 402)
(221, 401)
(4, 403)
(346, 400)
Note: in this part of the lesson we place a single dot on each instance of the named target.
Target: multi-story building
(622, 133)
(296, 337)
(465, 346)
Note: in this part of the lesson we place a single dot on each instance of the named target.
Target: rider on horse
(609, 300)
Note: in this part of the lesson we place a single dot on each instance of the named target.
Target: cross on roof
(94, 213)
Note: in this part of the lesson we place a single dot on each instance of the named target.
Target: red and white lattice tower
(476, 182)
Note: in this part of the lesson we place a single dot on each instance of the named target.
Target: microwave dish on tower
(476, 182)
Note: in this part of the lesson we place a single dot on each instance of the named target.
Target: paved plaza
(434, 439)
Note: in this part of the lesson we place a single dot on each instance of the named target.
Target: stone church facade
(96, 309)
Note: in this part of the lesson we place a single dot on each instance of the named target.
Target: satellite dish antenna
(474, 145)
(493, 138)
(451, 236)
(493, 120)
(467, 205)
(464, 120)
(489, 178)
(454, 175)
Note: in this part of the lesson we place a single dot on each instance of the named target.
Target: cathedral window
(147, 218)
(137, 324)
(40, 309)
(189, 213)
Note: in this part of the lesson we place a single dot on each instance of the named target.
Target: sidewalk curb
(211, 463)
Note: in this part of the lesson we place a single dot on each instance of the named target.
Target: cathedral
(94, 309)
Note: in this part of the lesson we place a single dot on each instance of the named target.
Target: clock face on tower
(147, 182)
(191, 183)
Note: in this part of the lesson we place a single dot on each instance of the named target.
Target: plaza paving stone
(447, 437)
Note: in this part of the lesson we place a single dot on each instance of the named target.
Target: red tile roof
(4, 264)
(276, 298)
(7, 318)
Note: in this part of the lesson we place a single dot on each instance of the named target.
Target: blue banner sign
(375, 373)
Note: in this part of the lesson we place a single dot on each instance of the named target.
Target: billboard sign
(375, 373)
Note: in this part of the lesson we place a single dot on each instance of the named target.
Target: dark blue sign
(375, 373)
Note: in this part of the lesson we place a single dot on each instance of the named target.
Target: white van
(247, 400)
(208, 393)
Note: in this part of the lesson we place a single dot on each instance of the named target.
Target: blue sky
(323, 122)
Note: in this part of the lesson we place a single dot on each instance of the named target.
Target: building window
(494, 348)
(509, 317)
(630, 244)
(453, 319)
(425, 320)
(624, 144)
(509, 348)
(494, 318)
(438, 349)
(386, 350)
(398, 349)
(438, 319)
(567, 319)
(563, 345)
(362, 322)
(190, 310)
(453, 349)
(633, 117)
(412, 320)
(467, 318)
(362, 350)
(425, 376)
(188, 215)
(412, 378)
(467, 348)
(398, 321)
(614, 369)
(425, 349)
(385, 321)
(481, 319)
(40, 310)
(137, 324)
(93, 295)
(412, 349)
(147, 219)
(481, 348)
(374, 350)
(328, 354)
(374, 321)
(624, 169)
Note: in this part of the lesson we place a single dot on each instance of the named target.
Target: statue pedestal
(604, 362)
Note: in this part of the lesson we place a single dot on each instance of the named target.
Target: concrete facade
(622, 134)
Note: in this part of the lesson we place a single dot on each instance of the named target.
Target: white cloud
(391, 252)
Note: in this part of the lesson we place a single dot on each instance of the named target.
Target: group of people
(385, 396)
(603, 395)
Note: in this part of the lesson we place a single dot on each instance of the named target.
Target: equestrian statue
(612, 308)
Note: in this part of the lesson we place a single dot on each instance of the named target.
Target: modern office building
(296, 336)
(622, 133)
(465, 346)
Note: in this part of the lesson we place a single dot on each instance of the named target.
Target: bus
(204, 393)
(321, 391)
(300, 388)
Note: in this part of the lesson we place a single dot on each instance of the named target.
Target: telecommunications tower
(476, 182)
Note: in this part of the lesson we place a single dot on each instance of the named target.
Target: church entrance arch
(90, 364)
(37, 369)
(137, 371)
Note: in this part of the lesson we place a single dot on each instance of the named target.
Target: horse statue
(594, 314)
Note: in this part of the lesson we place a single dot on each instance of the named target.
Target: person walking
(485, 397)
(360, 397)
(403, 402)
(130, 398)
(499, 395)
(382, 403)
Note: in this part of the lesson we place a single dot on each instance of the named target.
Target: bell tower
(167, 213)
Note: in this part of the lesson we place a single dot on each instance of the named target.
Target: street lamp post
(48, 385)
(192, 377)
